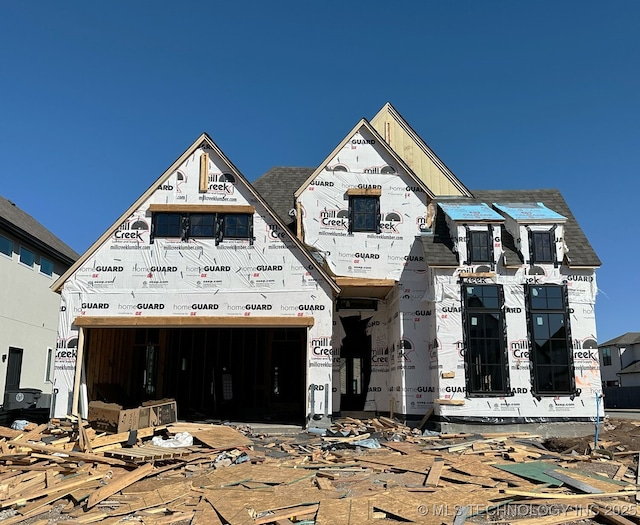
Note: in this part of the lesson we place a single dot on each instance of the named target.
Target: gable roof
(364, 124)
(411, 140)
(24, 226)
(630, 338)
(438, 248)
(203, 141)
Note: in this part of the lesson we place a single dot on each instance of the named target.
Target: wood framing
(201, 208)
(204, 172)
(367, 192)
(192, 321)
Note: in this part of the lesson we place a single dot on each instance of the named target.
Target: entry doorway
(355, 363)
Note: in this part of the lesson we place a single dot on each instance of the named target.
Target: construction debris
(357, 472)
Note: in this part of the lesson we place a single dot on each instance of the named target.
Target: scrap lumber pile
(358, 472)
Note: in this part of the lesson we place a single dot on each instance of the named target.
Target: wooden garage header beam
(193, 321)
(202, 208)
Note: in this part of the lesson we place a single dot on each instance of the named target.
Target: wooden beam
(78, 373)
(202, 208)
(204, 172)
(477, 274)
(367, 192)
(363, 282)
(456, 402)
(194, 320)
(118, 483)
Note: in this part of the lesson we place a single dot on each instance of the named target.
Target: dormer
(538, 231)
(476, 232)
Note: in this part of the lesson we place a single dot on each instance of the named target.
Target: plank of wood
(72, 454)
(637, 495)
(425, 418)
(33, 434)
(455, 402)
(221, 437)
(607, 515)
(559, 519)
(63, 485)
(573, 483)
(622, 469)
(292, 512)
(434, 473)
(111, 439)
(556, 495)
(119, 483)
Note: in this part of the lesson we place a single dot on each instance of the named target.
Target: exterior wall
(521, 404)
(399, 329)
(325, 212)
(28, 315)
(130, 276)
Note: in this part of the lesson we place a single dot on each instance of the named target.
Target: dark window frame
(372, 217)
(479, 311)
(542, 249)
(544, 311)
(606, 355)
(186, 225)
(474, 250)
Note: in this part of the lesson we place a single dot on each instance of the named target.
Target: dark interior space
(240, 374)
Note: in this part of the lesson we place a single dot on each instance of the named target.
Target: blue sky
(98, 99)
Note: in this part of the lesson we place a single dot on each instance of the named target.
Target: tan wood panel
(202, 208)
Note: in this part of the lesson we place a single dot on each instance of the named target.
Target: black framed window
(364, 214)
(167, 224)
(480, 246)
(606, 355)
(236, 225)
(202, 225)
(542, 247)
(485, 340)
(550, 336)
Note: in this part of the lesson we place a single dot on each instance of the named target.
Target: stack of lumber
(64, 472)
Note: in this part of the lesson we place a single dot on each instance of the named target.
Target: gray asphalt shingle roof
(277, 187)
(279, 183)
(630, 338)
(24, 226)
(438, 247)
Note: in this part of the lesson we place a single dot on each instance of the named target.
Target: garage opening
(241, 374)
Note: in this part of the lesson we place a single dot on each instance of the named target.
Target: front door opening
(355, 363)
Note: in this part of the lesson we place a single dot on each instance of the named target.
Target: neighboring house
(31, 258)
(376, 281)
(620, 360)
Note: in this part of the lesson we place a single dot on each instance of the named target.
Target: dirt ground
(617, 435)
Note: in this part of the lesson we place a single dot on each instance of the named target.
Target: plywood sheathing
(433, 479)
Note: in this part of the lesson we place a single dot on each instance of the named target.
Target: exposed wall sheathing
(130, 276)
(399, 328)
